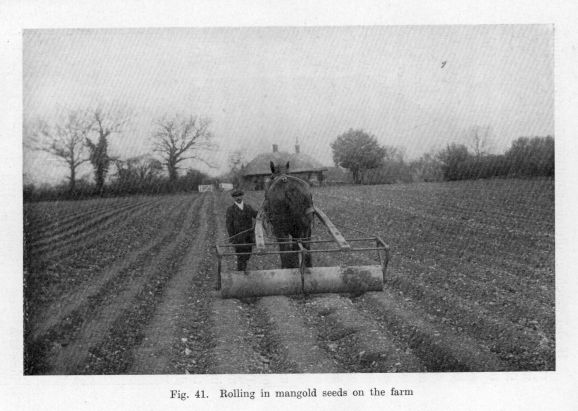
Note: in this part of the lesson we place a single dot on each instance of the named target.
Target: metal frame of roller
(304, 280)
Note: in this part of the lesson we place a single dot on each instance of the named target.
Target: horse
(289, 208)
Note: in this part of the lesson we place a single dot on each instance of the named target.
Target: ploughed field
(126, 286)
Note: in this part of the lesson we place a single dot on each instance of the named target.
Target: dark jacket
(240, 220)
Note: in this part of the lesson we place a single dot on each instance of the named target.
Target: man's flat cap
(237, 193)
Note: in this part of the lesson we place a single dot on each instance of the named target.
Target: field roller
(304, 280)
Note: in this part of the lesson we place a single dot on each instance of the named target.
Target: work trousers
(243, 259)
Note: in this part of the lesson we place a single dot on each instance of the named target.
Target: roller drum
(353, 279)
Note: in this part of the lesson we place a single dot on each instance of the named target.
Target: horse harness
(283, 178)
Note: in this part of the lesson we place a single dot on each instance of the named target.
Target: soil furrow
(71, 358)
(87, 228)
(49, 281)
(495, 290)
(358, 340)
(453, 231)
(362, 342)
(114, 354)
(66, 304)
(513, 307)
(236, 348)
(55, 232)
(524, 346)
(47, 215)
(469, 287)
(40, 351)
(438, 347)
(355, 259)
(89, 239)
(194, 347)
(292, 344)
(51, 229)
(494, 196)
(154, 353)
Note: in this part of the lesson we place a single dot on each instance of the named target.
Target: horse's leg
(296, 232)
(289, 260)
(295, 256)
(286, 260)
(284, 247)
(306, 233)
(292, 258)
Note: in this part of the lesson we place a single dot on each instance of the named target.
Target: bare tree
(181, 138)
(479, 140)
(147, 168)
(66, 140)
(137, 170)
(103, 124)
(236, 160)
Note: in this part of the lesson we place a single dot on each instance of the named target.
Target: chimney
(297, 149)
(275, 148)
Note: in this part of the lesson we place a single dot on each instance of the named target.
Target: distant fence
(203, 188)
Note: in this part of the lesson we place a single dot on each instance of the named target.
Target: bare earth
(126, 286)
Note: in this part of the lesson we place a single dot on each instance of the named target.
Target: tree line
(372, 163)
(82, 136)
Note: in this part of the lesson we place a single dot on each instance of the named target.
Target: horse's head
(279, 170)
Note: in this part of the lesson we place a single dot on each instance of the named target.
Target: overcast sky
(415, 87)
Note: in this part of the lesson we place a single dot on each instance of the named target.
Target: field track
(126, 286)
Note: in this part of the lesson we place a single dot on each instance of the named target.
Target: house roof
(298, 163)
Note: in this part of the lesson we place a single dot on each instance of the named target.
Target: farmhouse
(258, 171)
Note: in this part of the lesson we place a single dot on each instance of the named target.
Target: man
(240, 227)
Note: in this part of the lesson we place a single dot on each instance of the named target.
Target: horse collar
(284, 178)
